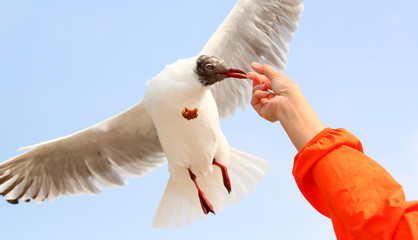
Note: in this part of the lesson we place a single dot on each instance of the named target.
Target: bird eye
(209, 67)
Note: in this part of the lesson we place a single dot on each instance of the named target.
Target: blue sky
(66, 65)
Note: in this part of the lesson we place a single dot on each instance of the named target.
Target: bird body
(192, 145)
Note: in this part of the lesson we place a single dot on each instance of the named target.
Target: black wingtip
(13, 201)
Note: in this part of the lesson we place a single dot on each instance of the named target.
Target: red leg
(206, 205)
(225, 176)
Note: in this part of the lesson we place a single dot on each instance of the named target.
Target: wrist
(299, 120)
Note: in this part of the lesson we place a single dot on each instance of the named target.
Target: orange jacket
(356, 193)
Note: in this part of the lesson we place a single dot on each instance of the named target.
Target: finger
(266, 70)
(261, 87)
(261, 94)
(259, 79)
(255, 101)
(260, 98)
(257, 95)
(257, 67)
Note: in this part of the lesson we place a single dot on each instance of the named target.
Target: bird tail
(180, 204)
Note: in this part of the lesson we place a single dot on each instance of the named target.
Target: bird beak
(234, 73)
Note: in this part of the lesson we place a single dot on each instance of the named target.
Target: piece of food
(189, 114)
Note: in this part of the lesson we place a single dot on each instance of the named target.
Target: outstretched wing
(125, 145)
(255, 30)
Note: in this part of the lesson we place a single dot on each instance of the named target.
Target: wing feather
(255, 30)
(102, 155)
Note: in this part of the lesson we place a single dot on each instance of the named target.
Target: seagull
(177, 121)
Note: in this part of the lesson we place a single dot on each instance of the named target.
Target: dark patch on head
(208, 69)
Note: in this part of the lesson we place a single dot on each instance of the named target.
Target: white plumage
(142, 138)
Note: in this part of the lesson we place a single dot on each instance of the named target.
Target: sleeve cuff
(323, 143)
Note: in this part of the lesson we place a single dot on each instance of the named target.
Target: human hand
(276, 97)
(271, 89)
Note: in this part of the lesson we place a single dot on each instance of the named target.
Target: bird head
(212, 69)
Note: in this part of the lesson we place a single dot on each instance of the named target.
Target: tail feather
(245, 171)
(180, 205)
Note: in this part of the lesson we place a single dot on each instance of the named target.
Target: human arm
(332, 172)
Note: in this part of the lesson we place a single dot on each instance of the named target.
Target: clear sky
(66, 65)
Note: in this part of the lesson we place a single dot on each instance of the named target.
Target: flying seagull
(177, 121)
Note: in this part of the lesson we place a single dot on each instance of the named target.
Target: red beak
(234, 73)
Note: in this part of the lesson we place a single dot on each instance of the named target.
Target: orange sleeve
(360, 197)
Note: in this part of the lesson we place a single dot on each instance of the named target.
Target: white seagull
(177, 120)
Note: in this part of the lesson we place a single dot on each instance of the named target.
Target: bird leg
(225, 176)
(206, 205)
